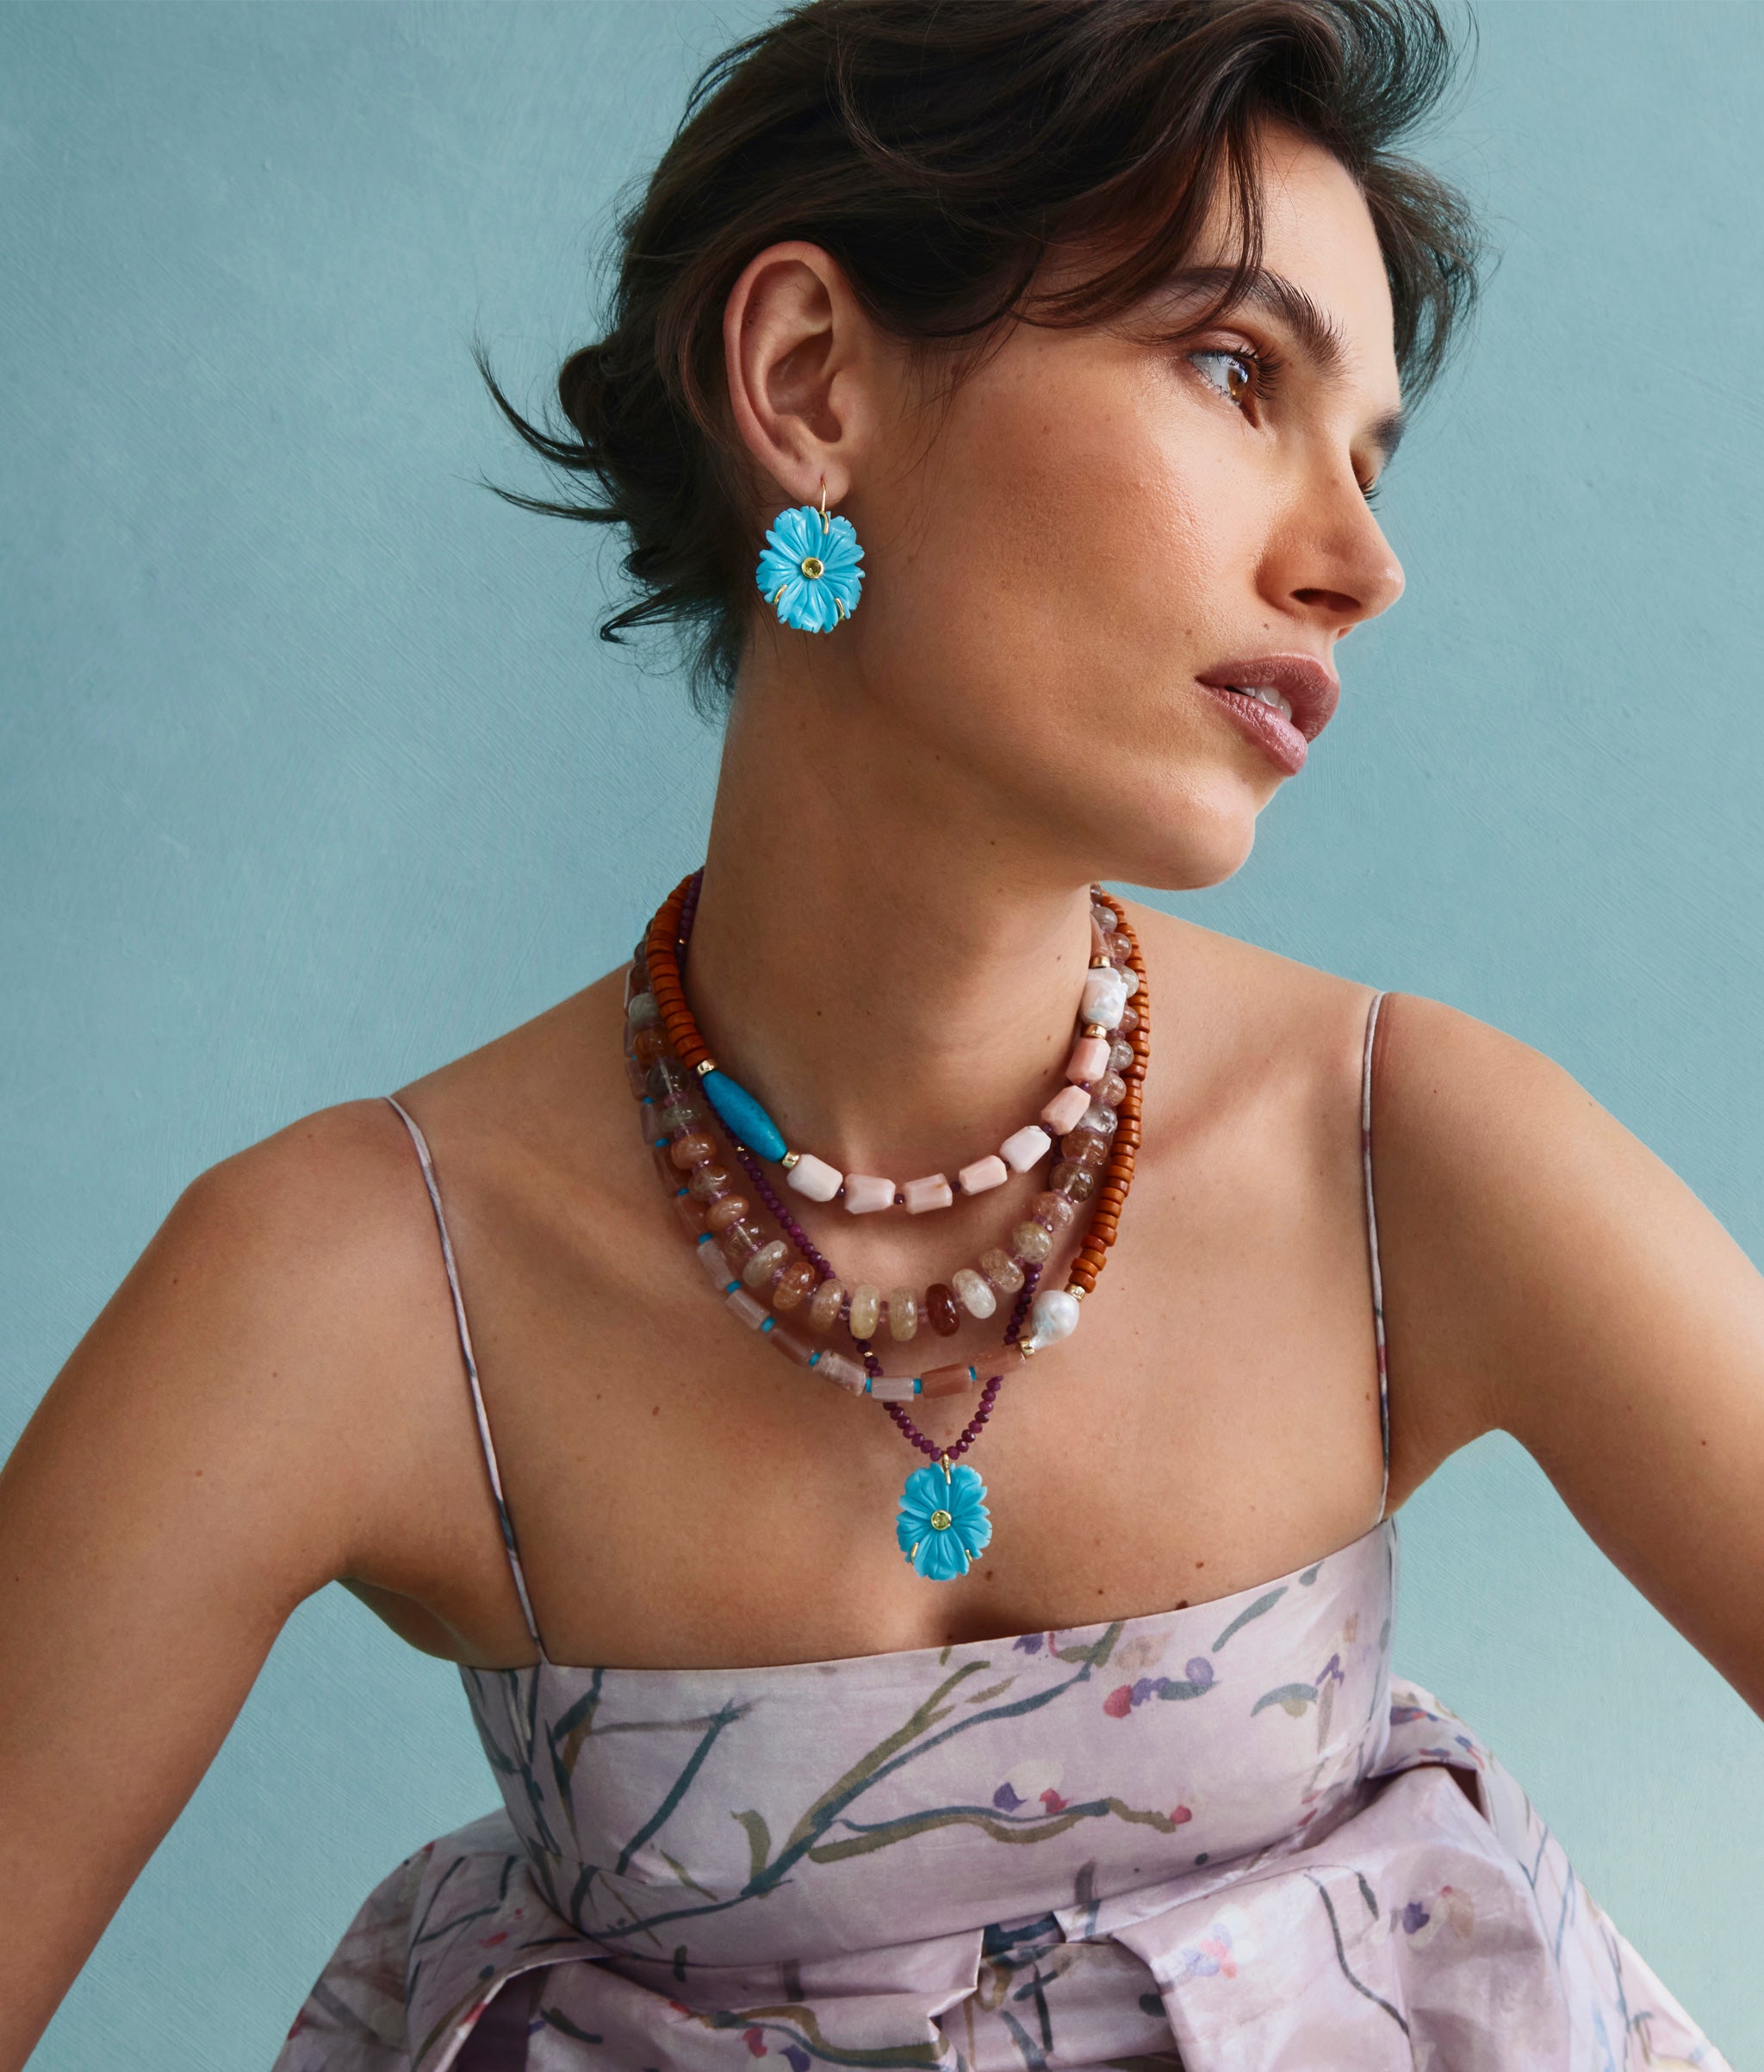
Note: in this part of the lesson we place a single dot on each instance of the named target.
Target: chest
(682, 1494)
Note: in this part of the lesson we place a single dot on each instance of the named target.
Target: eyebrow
(1319, 335)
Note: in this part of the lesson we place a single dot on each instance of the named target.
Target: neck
(895, 982)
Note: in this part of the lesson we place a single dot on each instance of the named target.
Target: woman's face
(1102, 519)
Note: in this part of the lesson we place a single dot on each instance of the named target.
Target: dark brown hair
(939, 150)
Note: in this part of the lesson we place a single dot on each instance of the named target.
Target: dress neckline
(897, 1657)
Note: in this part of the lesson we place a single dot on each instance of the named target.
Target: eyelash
(1266, 368)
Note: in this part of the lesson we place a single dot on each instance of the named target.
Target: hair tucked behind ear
(938, 149)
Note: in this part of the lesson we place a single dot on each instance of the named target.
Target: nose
(1339, 569)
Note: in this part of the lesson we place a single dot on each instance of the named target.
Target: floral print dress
(1221, 1837)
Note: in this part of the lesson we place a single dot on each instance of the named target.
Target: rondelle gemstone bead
(758, 1270)
(1063, 1111)
(693, 1150)
(794, 1286)
(740, 1242)
(1085, 1147)
(717, 1269)
(640, 1010)
(940, 1307)
(823, 1305)
(791, 1344)
(814, 1178)
(973, 1291)
(749, 1311)
(955, 1381)
(1026, 1147)
(1002, 1270)
(710, 1183)
(1077, 1183)
(666, 1079)
(1031, 1243)
(729, 1209)
(865, 1192)
(932, 1192)
(989, 1171)
(1089, 1059)
(902, 1312)
(843, 1372)
(677, 1117)
(1053, 1315)
(647, 1044)
(866, 1310)
(1053, 1211)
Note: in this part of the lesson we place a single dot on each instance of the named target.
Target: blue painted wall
(312, 774)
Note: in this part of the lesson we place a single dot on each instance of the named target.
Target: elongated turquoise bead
(747, 1121)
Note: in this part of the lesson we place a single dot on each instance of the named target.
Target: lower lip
(1279, 739)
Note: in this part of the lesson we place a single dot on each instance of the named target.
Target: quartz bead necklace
(1093, 1076)
(943, 1522)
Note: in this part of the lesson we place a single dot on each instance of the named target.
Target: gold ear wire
(823, 503)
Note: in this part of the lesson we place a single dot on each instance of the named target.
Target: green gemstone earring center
(813, 566)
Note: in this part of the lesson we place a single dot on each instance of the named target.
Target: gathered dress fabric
(1221, 1837)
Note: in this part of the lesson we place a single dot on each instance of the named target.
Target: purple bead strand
(971, 1431)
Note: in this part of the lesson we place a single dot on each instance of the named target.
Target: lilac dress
(1221, 1837)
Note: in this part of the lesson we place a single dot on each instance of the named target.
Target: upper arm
(181, 1488)
(1548, 1275)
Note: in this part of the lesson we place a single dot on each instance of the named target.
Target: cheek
(1067, 552)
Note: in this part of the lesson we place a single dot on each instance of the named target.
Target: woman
(1096, 322)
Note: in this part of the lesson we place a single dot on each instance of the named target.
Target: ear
(801, 356)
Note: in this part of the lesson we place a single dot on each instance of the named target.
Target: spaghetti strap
(485, 1441)
(1372, 1245)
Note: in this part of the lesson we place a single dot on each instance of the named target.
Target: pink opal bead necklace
(938, 1531)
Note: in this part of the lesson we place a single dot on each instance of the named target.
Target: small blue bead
(814, 1356)
(748, 1123)
(705, 1238)
(730, 1287)
(767, 1325)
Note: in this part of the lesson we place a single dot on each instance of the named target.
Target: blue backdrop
(312, 774)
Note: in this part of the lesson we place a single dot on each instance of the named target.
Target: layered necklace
(771, 1276)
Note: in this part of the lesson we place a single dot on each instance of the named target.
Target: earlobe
(793, 345)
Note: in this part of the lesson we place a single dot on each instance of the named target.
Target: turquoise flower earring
(809, 571)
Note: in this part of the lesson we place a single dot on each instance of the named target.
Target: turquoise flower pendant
(943, 1522)
(809, 572)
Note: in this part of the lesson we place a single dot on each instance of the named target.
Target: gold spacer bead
(1076, 1292)
(790, 1158)
(704, 1065)
(1100, 964)
(1095, 1028)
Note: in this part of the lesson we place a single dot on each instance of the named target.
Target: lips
(1309, 687)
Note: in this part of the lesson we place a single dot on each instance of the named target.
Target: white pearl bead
(1105, 995)
(1053, 1315)
(815, 1177)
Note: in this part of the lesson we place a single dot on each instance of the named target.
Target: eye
(1232, 370)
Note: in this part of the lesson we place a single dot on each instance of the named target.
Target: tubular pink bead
(749, 1311)
(791, 1344)
(865, 1192)
(931, 1193)
(843, 1372)
(948, 1381)
(1026, 1147)
(1089, 1059)
(892, 1388)
(1063, 1111)
(989, 1171)
(717, 1269)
